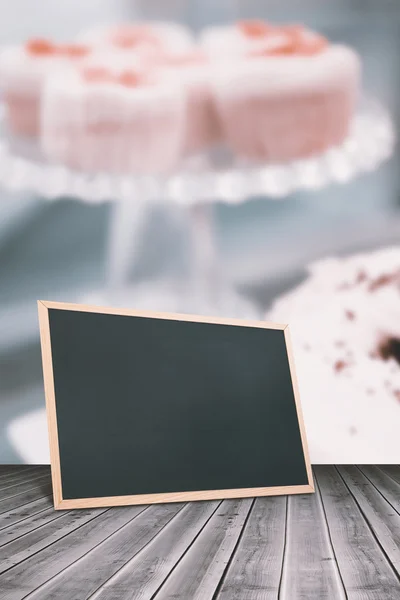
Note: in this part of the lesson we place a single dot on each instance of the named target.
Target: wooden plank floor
(343, 542)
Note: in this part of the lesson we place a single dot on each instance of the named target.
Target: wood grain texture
(6, 470)
(20, 475)
(84, 577)
(32, 542)
(294, 548)
(198, 573)
(42, 566)
(382, 518)
(145, 573)
(183, 496)
(387, 486)
(392, 470)
(20, 513)
(28, 524)
(309, 569)
(24, 498)
(255, 569)
(366, 573)
(14, 489)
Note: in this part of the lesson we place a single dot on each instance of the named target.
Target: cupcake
(23, 72)
(241, 38)
(192, 70)
(345, 324)
(121, 121)
(283, 94)
(148, 39)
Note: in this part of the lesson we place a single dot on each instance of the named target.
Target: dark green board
(148, 405)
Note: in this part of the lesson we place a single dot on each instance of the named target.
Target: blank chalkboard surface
(151, 407)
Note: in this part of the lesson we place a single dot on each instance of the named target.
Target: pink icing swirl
(293, 39)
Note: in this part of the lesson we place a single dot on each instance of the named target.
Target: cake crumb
(384, 280)
(339, 344)
(390, 348)
(340, 365)
(361, 277)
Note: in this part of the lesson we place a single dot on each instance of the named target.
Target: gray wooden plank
(392, 470)
(386, 485)
(24, 578)
(84, 577)
(15, 502)
(28, 525)
(15, 515)
(309, 569)
(254, 572)
(21, 474)
(145, 573)
(22, 486)
(364, 569)
(382, 518)
(7, 469)
(198, 573)
(25, 546)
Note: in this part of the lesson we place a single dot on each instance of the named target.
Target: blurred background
(56, 250)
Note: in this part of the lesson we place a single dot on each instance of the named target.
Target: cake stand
(199, 183)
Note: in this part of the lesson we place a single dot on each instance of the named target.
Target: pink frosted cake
(149, 39)
(23, 72)
(285, 93)
(270, 93)
(97, 119)
(345, 324)
(192, 70)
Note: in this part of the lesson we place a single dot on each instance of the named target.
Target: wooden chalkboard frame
(61, 504)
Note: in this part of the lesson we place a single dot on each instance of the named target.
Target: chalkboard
(151, 407)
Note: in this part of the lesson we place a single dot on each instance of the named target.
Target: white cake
(345, 324)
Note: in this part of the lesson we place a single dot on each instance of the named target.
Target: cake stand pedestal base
(191, 190)
(203, 290)
(167, 297)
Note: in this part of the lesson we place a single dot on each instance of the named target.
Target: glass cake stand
(195, 187)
